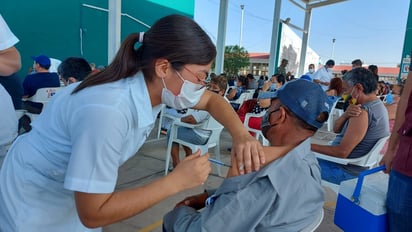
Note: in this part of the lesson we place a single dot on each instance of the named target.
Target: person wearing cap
(364, 122)
(286, 194)
(324, 75)
(282, 67)
(42, 78)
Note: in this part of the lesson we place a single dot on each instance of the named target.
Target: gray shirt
(286, 195)
(378, 127)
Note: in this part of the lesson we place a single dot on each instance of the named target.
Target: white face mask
(311, 70)
(329, 69)
(188, 97)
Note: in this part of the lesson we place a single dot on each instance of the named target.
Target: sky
(371, 30)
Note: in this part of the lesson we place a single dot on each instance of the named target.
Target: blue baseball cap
(305, 99)
(306, 77)
(43, 60)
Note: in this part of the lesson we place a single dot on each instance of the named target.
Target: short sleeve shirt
(77, 144)
(286, 195)
(7, 38)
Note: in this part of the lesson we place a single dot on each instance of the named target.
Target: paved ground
(148, 165)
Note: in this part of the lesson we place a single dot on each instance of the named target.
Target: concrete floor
(148, 165)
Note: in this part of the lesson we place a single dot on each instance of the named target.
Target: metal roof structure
(305, 5)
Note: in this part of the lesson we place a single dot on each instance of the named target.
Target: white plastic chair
(258, 133)
(43, 95)
(165, 116)
(312, 227)
(370, 160)
(241, 98)
(214, 139)
(331, 118)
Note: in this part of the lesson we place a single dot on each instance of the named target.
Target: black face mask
(265, 124)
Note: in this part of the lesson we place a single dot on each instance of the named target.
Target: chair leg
(168, 155)
(217, 154)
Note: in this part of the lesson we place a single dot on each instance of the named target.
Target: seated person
(255, 106)
(334, 91)
(266, 200)
(234, 93)
(251, 82)
(42, 78)
(360, 127)
(195, 135)
(275, 82)
(73, 69)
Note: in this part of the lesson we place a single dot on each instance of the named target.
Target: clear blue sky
(372, 30)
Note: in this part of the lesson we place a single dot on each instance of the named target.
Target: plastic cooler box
(362, 206)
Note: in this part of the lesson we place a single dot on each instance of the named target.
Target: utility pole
(333, 48)
(242, 7)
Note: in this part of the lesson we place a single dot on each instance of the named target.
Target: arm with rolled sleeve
(241, 210)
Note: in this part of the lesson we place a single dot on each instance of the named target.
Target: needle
(219, 162)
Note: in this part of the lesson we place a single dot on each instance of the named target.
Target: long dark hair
(176, 38)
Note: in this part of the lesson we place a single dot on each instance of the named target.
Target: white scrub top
(8, 122)
(7, 38)
(77, 144)
(324, 76)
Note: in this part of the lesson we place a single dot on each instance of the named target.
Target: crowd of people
(66, 165)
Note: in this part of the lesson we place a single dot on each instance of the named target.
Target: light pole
(333, 47)
(242, 7)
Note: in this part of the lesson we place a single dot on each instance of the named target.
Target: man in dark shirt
(40, 79)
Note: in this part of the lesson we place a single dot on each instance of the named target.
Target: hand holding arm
(249, 152)
(351, 111)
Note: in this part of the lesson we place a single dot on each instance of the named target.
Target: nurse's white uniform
(76, 144)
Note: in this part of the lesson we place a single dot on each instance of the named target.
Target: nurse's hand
(248, 153)
(192, 171)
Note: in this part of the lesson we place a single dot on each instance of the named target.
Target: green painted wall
(407, 45)
(57, 28)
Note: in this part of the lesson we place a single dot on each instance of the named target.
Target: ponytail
(125, 64)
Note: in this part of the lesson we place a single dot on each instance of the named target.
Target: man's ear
(281, 116)
(161, 67)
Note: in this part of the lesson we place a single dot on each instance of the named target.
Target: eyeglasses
(201, 76)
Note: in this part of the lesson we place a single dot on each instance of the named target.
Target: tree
(235, 59)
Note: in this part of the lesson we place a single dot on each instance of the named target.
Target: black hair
(281, 79)
(176, 38)
(357, 62)
(330, 63)
(76, 67)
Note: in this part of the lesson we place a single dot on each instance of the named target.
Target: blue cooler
(362, 206)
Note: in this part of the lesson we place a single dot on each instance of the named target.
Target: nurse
(61, 176)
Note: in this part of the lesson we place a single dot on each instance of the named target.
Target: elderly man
(286, 194)
(360, 127)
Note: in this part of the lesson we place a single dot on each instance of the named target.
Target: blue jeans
(188, 135)
(399, 202)
(331, 172)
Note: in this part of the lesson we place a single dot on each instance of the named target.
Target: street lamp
(242, 7)
(333, 47)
